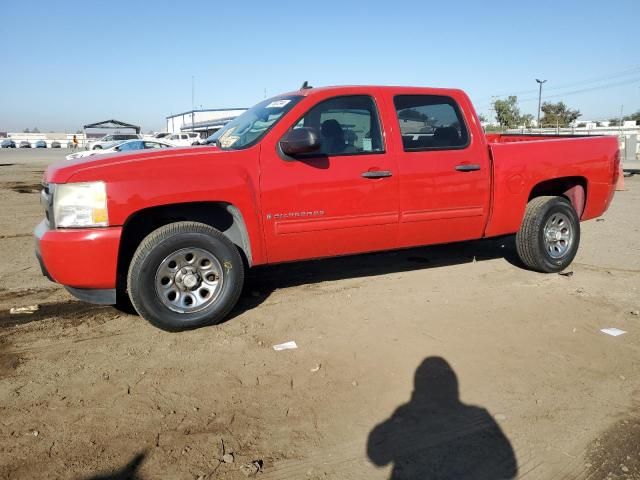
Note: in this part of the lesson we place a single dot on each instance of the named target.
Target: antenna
(305, 86)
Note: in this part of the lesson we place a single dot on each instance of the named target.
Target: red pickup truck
(318, 172)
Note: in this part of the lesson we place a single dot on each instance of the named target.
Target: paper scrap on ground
(285, 346)
(24, 310)
(614, 332)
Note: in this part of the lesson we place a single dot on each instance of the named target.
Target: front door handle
(376, 174)
(468, 167)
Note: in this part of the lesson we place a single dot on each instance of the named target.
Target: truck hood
(63, 171)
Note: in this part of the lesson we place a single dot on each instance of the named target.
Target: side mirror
(299, 141)
(116, 148)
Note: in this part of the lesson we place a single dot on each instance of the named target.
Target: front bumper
(80, 259)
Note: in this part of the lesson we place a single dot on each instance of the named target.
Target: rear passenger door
(444, 173)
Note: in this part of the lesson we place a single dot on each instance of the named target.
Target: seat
(332, 137)
(446, 137)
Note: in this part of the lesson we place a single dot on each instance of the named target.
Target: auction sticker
(278, 104)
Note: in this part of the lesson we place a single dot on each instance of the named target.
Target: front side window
(430, 122)
(347, 125)
(249, 128)
(155, 145)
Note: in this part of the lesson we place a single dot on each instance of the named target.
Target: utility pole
(540, 82)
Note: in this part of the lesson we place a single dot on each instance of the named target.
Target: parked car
(39, 144)
(125, 146)
(109, 141)
(55, 144)
(309, 174)
(160, 135)
(183, 139)
(8, 143)
(24, 144)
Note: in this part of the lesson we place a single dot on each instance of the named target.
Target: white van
(183, 139)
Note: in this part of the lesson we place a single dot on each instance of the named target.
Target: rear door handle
(376, 174)
(468, 167)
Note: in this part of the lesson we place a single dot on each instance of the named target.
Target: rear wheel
(185, 275)
(549, 236)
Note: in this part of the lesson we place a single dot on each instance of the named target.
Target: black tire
(532, 248)
(170, 240)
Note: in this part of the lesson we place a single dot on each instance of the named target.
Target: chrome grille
(46, 200)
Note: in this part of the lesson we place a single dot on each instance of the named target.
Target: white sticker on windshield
(278, 104)
(366, 144)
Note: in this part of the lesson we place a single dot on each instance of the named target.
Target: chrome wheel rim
(558, 235)
(189, 280)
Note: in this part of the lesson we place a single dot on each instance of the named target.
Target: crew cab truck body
(313, 173)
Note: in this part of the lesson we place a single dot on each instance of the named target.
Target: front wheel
(185, 275)
(549, 236)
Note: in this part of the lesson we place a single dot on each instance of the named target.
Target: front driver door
(341, 200)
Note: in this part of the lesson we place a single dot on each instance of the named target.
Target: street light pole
(193, 107)
(540, 82)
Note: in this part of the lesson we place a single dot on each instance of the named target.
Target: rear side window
(347, 125)
(430, 122)
(131, 146)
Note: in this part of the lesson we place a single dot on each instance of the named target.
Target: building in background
(205, 121)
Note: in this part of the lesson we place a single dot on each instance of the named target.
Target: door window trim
(456, 109)
(309, 156)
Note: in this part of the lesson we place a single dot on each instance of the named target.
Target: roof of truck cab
(346, 89)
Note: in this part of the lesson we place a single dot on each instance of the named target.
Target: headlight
(80, 205)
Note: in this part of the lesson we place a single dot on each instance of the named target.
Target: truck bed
(524, 163)
(528, 137)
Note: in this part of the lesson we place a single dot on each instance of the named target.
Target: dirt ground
(440, 362)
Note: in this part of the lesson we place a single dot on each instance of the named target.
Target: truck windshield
(252, 125)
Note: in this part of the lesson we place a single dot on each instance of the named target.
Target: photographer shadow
(435, 436)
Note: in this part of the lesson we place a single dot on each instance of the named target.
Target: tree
(35, 130)
(26, 130)
(633, 117)
(526, 120)
(558, 114)
(482, 118)
(507, 112)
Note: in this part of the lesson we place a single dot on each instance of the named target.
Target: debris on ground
(614, 332)
(316, 368)
(228, 458)
(635, 312)
(250, 469)
(566, 274)
(285, 346)
(24, 310)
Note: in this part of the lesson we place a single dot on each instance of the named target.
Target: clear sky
(65, 64)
